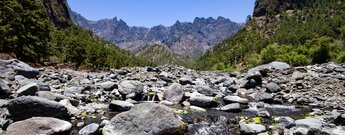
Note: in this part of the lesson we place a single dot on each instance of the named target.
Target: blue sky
(154, 12)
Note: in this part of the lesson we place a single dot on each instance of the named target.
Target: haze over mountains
(188, 39)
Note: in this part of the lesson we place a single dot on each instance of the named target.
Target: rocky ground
(272, 99)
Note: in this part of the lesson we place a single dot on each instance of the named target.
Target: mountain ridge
(183, 38)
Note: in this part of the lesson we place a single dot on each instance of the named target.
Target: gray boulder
(205, 90)
(56, 97)
(251, 128)
(235, 99)
(5, 91)
(22, 68)
(29, 106)
(39, 126)
(273, 87)
(174, 93)
(234, 107)
(129, 87)
(29, 89)
(74, 90)
(109, 86)
(263, 96)
(270, 66)
(119, 105)
(90, 129)
(186, 80)
(146, 119)
(309, 123)
(286, 121)
(203, 101)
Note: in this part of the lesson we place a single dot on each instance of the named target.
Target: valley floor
(269, 99)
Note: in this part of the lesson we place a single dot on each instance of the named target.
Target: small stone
(273, 87)
(186, 80)
(197, 109)
(5, 91)
(301, 131)
(235, 99)
(167, 103)
(80, 124)
(29, 89)
(251, 128)
(103, 123)
(276, 130)
(309, 123)
(263, 96)
(109, 86)
(264, 114)
(205, 90)
(286, 121)
(234, 107)
(174, 93)
(203, 101)
(90, 129)
(119, 105)
(4, 123)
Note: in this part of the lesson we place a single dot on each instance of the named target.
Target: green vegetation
(27, 31)
(313, 33)
(24, 29)
(160, 55)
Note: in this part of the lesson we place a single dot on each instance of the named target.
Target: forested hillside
(42, 31)
(161, 55)
(298, 32)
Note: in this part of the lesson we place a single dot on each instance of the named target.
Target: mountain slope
(299, 32)
(42, 31)
(182, 38)
(160, 55)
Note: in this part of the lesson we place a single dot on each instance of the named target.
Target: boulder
(22, 68)
(263, 96)
(174, 93)
(197, 109)
(4, 123)
(311, 123)
(286, 121)
(73, 111)
(56, 97)
(251, 128)
(39, 126)
(205, 90)
(234, 107)
(203, 101)
(264, 114)
(146, 119)
(235, 99)
(129, 87)
(119, 105)
(273, 87)
(90, 129)
(186, 80)
(74, 90)
(270, 66)
(5, 90)
(29, 89)
(29, 106)
(109, 86)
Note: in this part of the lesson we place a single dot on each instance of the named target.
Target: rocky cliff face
(183, 38)
(268, 14)
(58, 12)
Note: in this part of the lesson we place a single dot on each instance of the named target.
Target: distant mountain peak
(190, 39)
